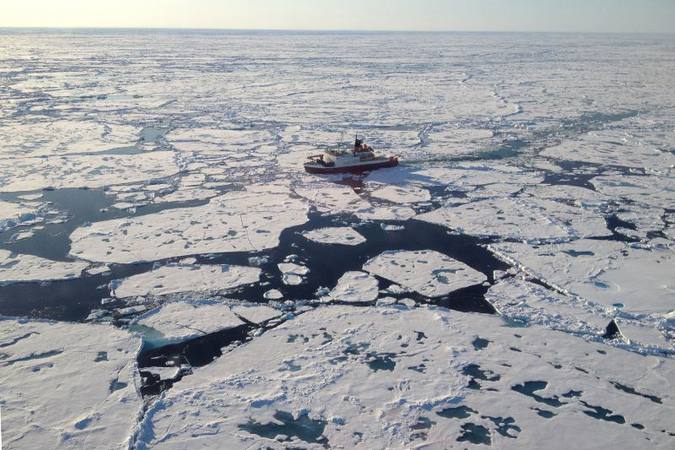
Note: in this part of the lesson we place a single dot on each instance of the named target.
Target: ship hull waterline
(357, 168)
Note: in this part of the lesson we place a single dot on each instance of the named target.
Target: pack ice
(391, 377)
(427, 272)
(606, 272)
(178, 278)
(66, 385)
(234, 222)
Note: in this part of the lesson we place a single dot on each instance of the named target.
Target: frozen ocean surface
(170, 277)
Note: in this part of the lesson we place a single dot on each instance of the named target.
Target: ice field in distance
(171, 278)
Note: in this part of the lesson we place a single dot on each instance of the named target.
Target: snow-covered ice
(606, 272)
(181, 321)
(16, 268)
(68, 385)
(427, 272)
(171, 279)
(335, 235)
(387, 377)
(355, 287)
(234, 222)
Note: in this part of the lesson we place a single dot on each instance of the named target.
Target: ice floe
(234, 222)
(292, 274)
(17, 214)
(181, 321)
(606, 272)
(354, 287)
(335, 235)
(521, 219)
(171, 279)
(68, 385)
(391, 377)
(15, 268)
(402, 194)
(83, 171)
(651, 190)
(427, 272)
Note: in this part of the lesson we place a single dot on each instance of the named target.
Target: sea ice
(234, 222)
(16, 268)
(335, 235)
(427, 272)
(68, 385)
(83, 171)
(171, 279)
(182, 321)
(392, 377)
(355, 287)
(607, 272)
(610, 147)
(62, 137)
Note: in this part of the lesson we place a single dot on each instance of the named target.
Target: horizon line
(325, 30)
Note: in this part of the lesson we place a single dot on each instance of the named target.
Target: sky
(420, 15)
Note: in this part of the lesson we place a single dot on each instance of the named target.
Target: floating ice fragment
(181, 321)
(171, 279)
(427, 272)
(16, 268)
(335, 235)
(293, 274)
(234, 222)
(355, 287)
(69, 385)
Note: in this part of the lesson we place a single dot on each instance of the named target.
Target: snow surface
(389, 377)
(402, 194)
(180, 321)
(83, 171)
(292, 274)
(16, 268)
(605, 272)
(172, 279)
(355, 287)
(335, 235)
(427, 272)
(234, 222)
(66, 385)
(521, 219)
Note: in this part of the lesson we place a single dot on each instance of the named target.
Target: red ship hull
(325, 169)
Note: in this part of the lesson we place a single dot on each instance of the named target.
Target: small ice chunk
(273, 294)
(293, 274)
